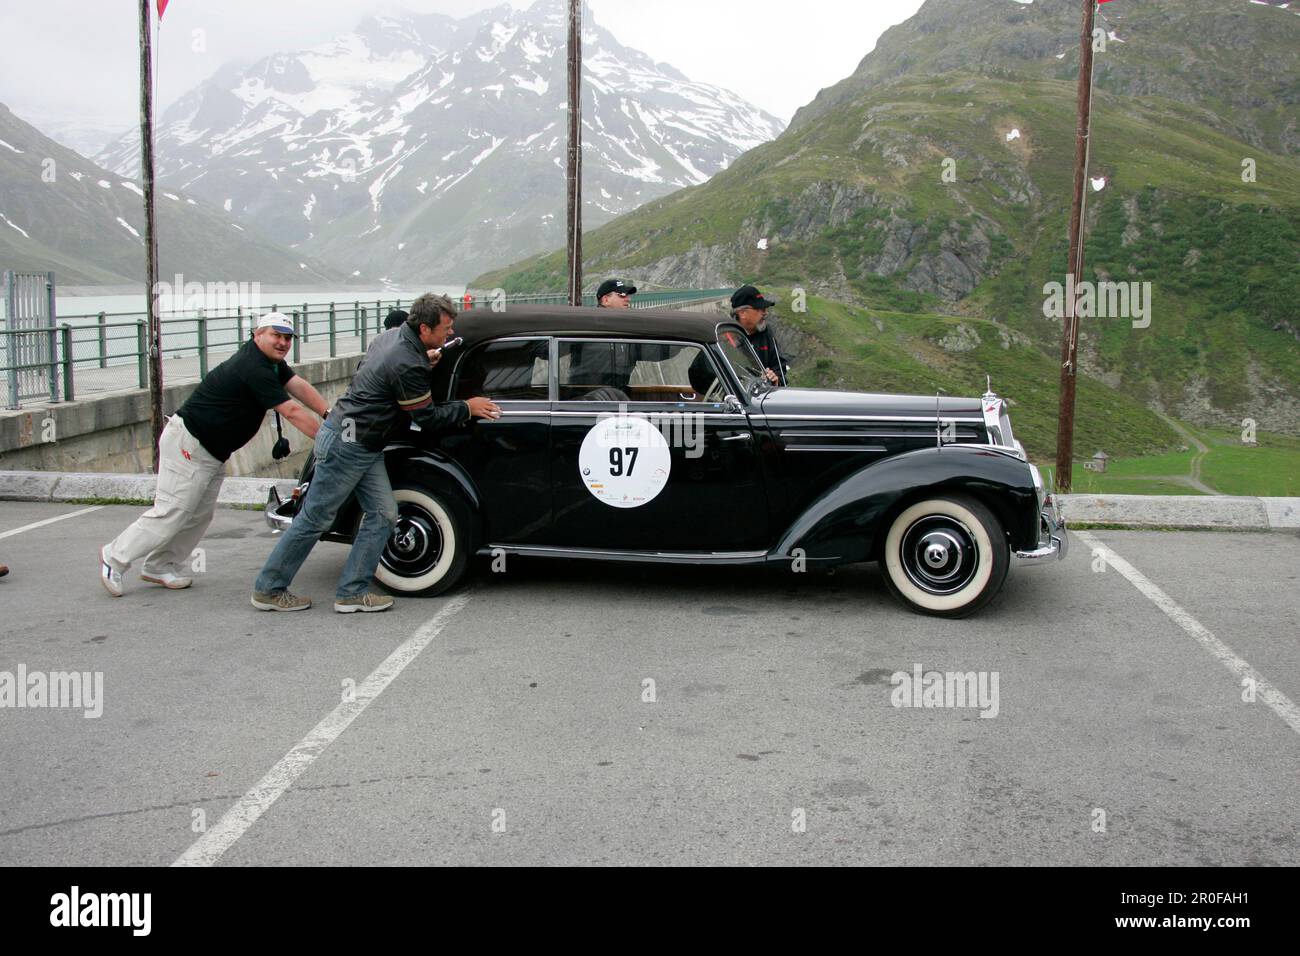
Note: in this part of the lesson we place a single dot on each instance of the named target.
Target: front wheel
(428, 551)
(946, 556)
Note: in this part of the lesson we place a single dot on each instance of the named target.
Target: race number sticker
(624, 461)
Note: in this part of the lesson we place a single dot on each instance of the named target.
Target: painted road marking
(236, 821)
(1277, 701)
(42, 524)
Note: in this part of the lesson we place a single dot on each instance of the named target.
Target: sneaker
(168, 580)
(109, 576)
(363, 602)
(284, 601)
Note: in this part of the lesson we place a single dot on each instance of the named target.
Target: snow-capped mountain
(429, 148)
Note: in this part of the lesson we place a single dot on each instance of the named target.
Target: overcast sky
(77, 60)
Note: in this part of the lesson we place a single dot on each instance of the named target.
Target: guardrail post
(356, 329)
(364, 330)
(379, 316)
(53, 342)
(306, 322)
(66, 335)
(142, 353)
(239, 327)
(103, 342)
(333, 349)
(295, 338)
(203, 346)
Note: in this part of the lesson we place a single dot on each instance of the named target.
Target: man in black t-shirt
(220, 417)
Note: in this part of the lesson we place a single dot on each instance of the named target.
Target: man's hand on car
(481, 407)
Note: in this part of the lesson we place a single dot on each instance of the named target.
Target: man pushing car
(223, 415)
(393, 378)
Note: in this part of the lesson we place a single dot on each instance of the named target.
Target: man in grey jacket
(393, 378)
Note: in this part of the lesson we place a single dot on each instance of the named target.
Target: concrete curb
(65, 486)
(1134, 511)
(1182, 511)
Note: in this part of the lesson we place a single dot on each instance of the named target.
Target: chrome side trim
(927, 419)
(698, 557)
(876, 448)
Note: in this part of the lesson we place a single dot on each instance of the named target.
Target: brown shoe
(363, 602)
(284, 601)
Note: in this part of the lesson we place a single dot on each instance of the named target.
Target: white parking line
(209, 848)
(42, 524)
(1277, 701)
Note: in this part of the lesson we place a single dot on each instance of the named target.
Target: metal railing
(109, 351)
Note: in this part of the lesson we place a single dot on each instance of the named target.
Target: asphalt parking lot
(511, 722)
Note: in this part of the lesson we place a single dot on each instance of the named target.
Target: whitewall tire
(946, 556)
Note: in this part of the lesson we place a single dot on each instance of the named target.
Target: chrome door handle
(739, 436)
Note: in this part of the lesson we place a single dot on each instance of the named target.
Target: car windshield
(741, 357)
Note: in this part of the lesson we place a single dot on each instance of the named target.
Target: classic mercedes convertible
(654, 437)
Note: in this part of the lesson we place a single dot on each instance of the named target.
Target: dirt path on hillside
(1194, 478)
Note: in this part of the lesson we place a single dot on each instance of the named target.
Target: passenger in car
(615, 294)
(749, 308)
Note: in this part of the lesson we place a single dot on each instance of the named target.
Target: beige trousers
(166, 535)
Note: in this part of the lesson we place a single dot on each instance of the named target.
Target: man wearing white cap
(220, 417)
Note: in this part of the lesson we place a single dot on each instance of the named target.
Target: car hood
(816, 401)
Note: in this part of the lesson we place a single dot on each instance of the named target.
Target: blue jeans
(341, 468)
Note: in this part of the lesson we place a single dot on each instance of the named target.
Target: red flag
(162, 7)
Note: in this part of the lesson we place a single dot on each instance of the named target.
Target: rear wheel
(946, 556)
(428, 551)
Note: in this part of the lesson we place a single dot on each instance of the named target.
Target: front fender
(844, 523)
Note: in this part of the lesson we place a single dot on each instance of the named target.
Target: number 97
(617, 457)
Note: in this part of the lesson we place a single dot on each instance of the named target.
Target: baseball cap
(278, 321)
(748, 295)
(614, 285)
(395, 318)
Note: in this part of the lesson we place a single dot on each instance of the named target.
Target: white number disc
(624, 461)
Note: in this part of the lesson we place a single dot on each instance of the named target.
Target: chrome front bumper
(1053, 541)
(274, 519)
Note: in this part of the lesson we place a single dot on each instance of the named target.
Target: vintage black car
(653, 436)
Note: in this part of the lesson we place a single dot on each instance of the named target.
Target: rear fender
(406, 465)
(845, 523)
(431, 469)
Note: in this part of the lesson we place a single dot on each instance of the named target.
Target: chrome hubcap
(416, 543)
(939, 554)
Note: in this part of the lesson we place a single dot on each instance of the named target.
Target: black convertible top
(482, 323)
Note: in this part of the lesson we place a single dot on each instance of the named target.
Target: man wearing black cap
(615, 294)
(395, 319)
(749, 308)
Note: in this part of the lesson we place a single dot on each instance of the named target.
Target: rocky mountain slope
(60, 212)
(428, 148)
(936, 181)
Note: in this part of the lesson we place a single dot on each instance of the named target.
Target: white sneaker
(109, 576)
(168, 580)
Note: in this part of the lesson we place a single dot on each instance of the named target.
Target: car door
(645, 454)
(508, 459)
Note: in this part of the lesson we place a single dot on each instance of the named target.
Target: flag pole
(150, 233)
(574, 173)
(1074, 261)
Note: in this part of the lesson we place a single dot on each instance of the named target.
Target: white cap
(278, 321)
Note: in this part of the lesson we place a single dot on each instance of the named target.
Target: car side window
(618, 371)
(504, 371)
